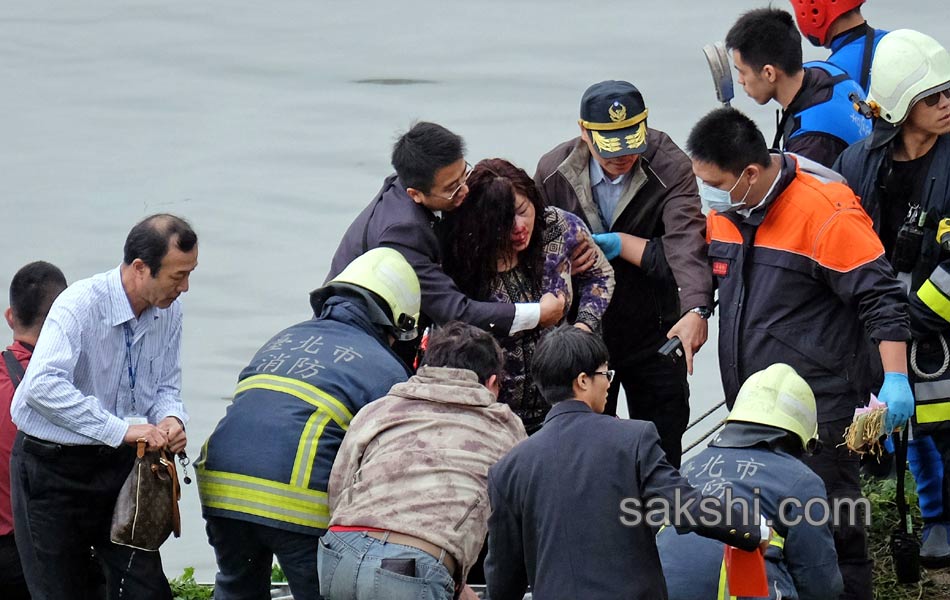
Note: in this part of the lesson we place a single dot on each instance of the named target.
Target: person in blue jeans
(408, 492)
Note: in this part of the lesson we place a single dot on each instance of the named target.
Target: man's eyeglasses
(450, 197)
(609, 374)
(934, 98)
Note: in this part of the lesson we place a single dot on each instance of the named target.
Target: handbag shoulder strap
(14, 368)
(169, 462)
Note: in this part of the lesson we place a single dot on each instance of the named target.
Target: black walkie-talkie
(672, 349)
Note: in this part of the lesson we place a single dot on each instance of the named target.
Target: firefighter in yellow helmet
(263, 473)
(756, 458)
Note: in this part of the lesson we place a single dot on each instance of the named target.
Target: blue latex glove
(609, 244)
(896, 394)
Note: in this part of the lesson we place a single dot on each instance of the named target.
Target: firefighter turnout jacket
(268, 460)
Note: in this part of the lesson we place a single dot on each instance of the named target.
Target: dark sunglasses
(934, 98)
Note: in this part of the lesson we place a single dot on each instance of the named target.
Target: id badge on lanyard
(134, 418)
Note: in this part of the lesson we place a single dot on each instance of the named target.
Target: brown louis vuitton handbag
(146, 511)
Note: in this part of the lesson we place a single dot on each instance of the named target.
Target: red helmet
(816, 16)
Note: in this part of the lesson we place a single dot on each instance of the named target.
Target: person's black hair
(767, 36)
(151, 237)
(562, 354)
(458, 345)
(423, 150)
(729, 140)
(478, 233)
(32, 291)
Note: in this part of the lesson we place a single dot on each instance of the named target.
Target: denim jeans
(350, 567)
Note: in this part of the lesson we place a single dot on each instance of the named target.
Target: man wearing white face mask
(802, 280)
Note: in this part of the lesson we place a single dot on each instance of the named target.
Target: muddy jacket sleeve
(346, 465)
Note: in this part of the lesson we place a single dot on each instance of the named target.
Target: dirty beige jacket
(416, 461)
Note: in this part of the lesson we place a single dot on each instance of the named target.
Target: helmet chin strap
(740, 434)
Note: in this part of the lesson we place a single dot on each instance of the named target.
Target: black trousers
(656, 391)
(245, 552)
(12, 583)
(840, 469)
(63, 497)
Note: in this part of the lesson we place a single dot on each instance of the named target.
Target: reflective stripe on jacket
(269, 459)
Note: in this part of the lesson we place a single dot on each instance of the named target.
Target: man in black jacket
(572, 506)
(430, 179)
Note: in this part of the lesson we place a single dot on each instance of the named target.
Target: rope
(704, 436)
(938, 372)
(696, 421)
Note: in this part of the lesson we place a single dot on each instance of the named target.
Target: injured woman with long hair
(503, 245)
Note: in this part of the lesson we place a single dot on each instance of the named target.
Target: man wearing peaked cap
(614, 120)
(632, 185)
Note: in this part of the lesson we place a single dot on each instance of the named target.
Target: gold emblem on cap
(636, 139)
(606, 144)
(617, 112)
(614, 125)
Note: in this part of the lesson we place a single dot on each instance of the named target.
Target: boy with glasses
(564, 501)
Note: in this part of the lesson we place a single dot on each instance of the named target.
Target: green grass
(882, 493)
(185, 587)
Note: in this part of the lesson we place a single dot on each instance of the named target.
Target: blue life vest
(836, 116)
(848, 52)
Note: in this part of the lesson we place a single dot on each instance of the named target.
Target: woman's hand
(583, 257)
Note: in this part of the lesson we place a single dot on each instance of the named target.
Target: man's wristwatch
(704, 312)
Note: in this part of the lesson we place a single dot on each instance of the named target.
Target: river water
(269, 126)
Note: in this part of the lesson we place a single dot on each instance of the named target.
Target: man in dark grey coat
(430, 179)
(573, 506)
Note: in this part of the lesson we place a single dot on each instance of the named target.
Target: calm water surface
(269, 126)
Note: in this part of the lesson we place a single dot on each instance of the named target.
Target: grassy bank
(882, 495)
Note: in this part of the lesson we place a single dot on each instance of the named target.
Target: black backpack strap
(14, 368)
(866, 61)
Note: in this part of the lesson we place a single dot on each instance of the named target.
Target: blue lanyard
(132, 369)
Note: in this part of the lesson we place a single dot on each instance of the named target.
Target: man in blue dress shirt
(105, 373)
